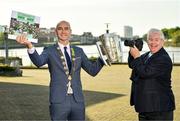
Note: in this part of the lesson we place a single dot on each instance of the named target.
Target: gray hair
(153, 30)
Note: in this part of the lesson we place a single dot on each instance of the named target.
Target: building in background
(128, 32)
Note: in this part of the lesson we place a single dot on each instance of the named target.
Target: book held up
(23, 23)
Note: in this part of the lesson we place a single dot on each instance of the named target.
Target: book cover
(23, 23)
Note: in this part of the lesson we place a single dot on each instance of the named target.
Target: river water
(90, 50)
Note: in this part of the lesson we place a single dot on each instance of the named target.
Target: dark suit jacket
(59, 80)
(151, 82)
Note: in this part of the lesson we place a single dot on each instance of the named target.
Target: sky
(92, 15)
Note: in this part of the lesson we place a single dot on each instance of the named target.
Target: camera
(137, 42)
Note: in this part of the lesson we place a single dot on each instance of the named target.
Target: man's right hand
(22, 39)
(134, 52)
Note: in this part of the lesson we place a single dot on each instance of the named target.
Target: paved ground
(107, 95)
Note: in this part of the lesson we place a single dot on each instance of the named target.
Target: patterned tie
(67, 58)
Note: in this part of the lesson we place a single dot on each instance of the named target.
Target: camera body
(136, 42)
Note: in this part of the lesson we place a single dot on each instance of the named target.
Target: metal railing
(174, 55)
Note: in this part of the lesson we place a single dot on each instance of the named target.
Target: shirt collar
(62, 46)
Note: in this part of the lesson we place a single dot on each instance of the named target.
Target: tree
(176, 37)
(1, 38)
(145, 37)
(166, 33)
(169, 33)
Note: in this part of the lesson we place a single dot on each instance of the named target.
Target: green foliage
(169, 33)
(6, 70)
(176, 38)
(9, 69)
(166, 33)
(10, 59)
(145, 37)
(1, 38)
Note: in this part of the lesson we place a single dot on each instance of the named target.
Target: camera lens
(129, 43)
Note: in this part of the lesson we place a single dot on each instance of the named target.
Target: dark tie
(67, 59)
(147, 57)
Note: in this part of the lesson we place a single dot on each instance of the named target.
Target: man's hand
(22, 39)
(134, 52)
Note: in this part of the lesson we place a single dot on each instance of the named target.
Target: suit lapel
(160, 52)
(58, 56)
(145, 57)
(61, 61)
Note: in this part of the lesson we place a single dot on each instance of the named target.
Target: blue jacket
(58, 77)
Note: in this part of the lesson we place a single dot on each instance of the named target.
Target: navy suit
(59, 79)
(151, 82)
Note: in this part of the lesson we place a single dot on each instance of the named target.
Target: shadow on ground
(30, 102)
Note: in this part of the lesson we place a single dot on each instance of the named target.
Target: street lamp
(107, 26)
(5, 43)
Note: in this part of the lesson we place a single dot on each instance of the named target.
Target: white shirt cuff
(32, 50)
